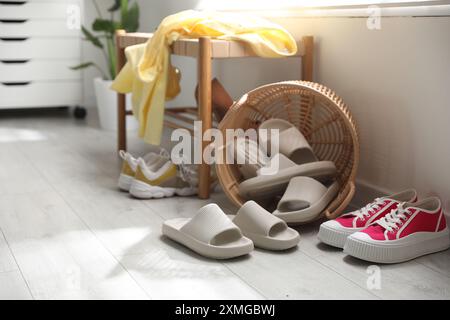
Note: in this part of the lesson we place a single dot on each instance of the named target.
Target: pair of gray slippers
(308, 184)
(213, 234)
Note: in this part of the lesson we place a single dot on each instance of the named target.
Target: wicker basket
(321, 116)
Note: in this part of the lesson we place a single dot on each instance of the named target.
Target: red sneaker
(410, 231)
(335, 232)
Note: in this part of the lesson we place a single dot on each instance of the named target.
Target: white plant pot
(107, 106)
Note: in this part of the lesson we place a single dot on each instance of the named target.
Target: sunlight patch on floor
(13, 135)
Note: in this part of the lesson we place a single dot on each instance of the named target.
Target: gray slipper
(270, 181)
(209, 233)
(305, 200)
(248, 156)
(291, 141)
(295, 158)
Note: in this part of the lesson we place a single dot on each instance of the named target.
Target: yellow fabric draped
(150, 77)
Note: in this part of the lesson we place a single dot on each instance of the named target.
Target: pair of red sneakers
(391, 229)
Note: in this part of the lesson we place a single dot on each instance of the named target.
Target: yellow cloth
(151, 78)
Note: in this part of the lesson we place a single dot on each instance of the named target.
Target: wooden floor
(66, 232)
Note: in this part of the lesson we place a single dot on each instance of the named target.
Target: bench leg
(121, 123)
(121, 104)
(205, 110)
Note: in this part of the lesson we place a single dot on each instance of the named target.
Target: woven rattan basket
(321, 116)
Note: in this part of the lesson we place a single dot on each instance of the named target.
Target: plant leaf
(105, 25)
(83, 66)
(131, 20)
(115, 6)
(112, 59)
(90, 37)
(123, 10)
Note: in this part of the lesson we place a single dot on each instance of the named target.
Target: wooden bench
(204, 50)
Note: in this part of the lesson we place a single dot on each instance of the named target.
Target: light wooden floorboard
(409, 280)
(439, 262)
(74, 235)
(13, 287)
(129, 229)
(7, 262)
(173, 272)
(294, 275)
(263, 270)
(16, 174)
(58, 256)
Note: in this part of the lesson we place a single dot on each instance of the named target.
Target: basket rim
(320, 91)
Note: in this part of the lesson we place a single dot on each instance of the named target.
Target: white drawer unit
(39, 48)
(23, 10)
(39, 94)
(38, 45)
(38, 70)
(36, 28)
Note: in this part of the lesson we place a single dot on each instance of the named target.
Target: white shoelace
(187, 174)
(366, 211)
(164, 153)
(123, 154)
(393, 220)
(186, 171)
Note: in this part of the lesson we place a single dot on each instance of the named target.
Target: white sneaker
(129, 166)
(162, 179)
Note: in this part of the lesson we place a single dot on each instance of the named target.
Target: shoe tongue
(390, 199)
(377, 228)
(404, 205)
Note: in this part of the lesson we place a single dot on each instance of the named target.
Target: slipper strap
(248, 156)
(301, 193)
(209, 222)
(292, 140)
(252, 218)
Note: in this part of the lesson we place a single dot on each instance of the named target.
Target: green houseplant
(121, 15)
(103, 30)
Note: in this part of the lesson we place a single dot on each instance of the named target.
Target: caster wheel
(79, 112)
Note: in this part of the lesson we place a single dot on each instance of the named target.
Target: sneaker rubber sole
(361, 246)
(124, 182)
(334, 236)
(142, 190)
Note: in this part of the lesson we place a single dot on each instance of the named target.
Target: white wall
(152, 12)
(396, 82)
